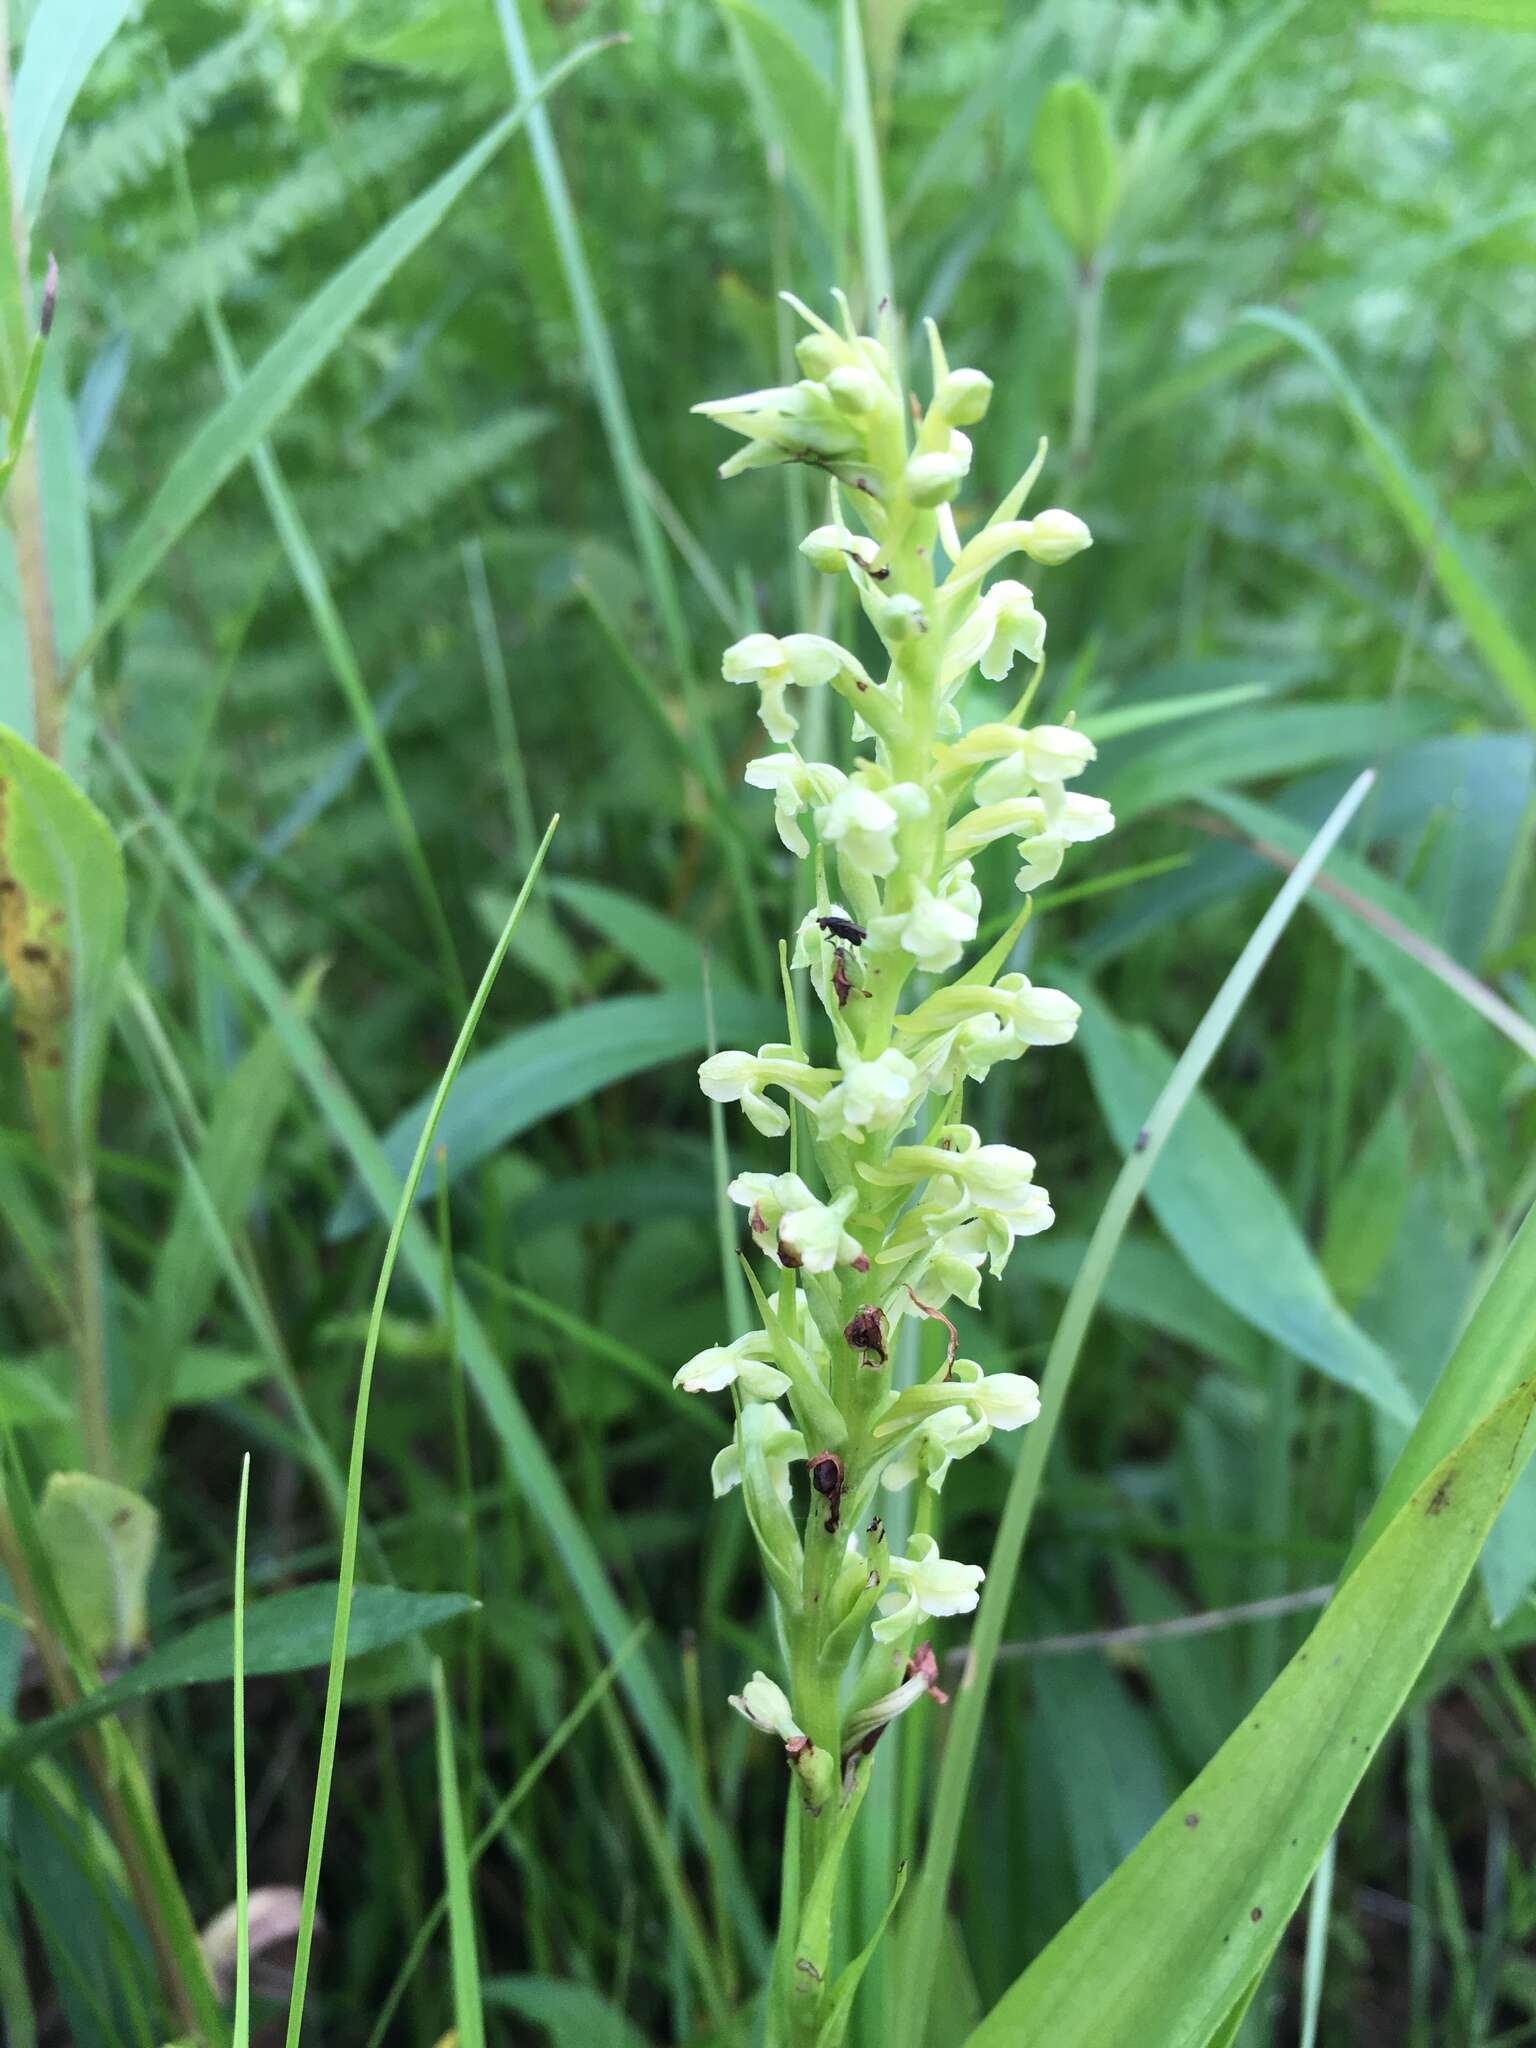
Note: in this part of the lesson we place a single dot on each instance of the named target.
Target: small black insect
(843, 928)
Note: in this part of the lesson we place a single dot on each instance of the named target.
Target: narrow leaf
(63, 42)
(287, 1632)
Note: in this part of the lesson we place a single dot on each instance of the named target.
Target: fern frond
(227, 257)
(120, 153)
(350, 519)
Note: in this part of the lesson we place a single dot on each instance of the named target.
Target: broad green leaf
(568, 2015)
(62, 912)
(1164, 1950)
(233, 429)
(204, 1374)
(286, 1632)
(63, 41)
(1259, 744)
(1107, 1761)
(1227, 1219)
(29, 1395)
(1076, 163)
(1423, 518)
(99, 1540)
(662, 950)
(547, 1066)
(1489, 1361)
(1153, 1286)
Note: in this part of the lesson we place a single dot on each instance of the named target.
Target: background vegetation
(481, 572)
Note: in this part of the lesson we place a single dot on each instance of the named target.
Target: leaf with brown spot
(62, 914)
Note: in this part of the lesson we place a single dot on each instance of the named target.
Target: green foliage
(1170, 1943)
(290, 718)
(98, 1541)
(1076, 164)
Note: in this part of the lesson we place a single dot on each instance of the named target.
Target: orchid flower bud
(832, 548)
(936, 478)
(963, 397)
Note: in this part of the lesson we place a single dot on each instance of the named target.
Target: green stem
(90, 1326)
(1085, 360)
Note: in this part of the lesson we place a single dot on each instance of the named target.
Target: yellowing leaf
(62, 911)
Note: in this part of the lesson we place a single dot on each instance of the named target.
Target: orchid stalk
(891, 1204)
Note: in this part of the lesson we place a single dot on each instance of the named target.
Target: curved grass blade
(1423, 518)
(468, 2018)
(348, 1567)
(922, 1925)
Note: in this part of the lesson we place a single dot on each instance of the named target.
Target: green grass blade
(468, 2019)
(1423, 519)
(922, 1924)
(859, 126)
(232, 430)
(242, 2025)
(1315, 1963)
(348, 1570)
